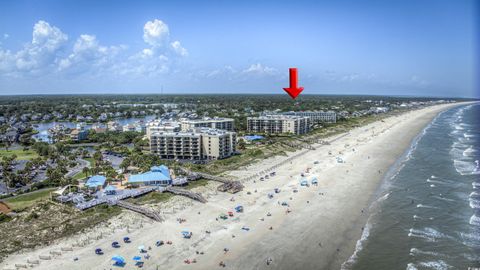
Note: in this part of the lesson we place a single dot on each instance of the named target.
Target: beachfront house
(157, 176)
(96, 182)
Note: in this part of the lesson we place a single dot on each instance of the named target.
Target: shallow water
(428, 212)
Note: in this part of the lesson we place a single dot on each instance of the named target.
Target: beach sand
(320, 231)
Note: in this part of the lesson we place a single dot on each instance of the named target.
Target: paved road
(81, 164)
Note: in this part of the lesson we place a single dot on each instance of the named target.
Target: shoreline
(328, 237)
(383, 186)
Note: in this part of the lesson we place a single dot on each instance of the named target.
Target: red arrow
(293, 90)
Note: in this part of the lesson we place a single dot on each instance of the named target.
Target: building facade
(279, 124)
(199, 144)
(216, 123)
(161, 126)
(317, 116)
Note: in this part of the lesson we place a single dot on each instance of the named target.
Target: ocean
(427, 215)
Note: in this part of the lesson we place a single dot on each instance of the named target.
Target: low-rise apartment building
(279, 124)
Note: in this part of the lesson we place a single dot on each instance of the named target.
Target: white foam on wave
(468, 135)
(426, 206)
(470, 239)
(443, 199)
(474, 220)
(474, 204)
(358, 247)
(429, 234)
(438, 265)
(469, 152)
(476, 185)
(474, 194)
(433, 177)
(432, 185)
(416, 251)
(465, 167)
(411, 266)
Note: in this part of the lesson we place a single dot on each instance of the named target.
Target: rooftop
(96, 181)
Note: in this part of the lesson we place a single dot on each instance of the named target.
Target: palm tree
(86, 171)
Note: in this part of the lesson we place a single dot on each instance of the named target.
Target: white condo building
(279, 124)
(159, 126)
(197, 144)
(216, 123)
(317, 116)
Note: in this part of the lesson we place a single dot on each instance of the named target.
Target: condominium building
(317, 116)
(218, 144)
(279, 124)
(198, 144)
(216, 123)
(159, 126)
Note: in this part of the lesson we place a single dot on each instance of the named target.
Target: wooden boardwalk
(139, 209)
(228, 185)
(186, 193)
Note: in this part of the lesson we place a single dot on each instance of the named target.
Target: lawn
(23, 201)
(79, 176)
(21, 155)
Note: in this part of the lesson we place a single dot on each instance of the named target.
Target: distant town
(33, 135)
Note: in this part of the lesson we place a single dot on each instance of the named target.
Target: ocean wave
(474, 194)
(465, 167)
(474, 220)
(460, 145)
(474, 204)
(443, 199)
(411, 266)
(438, 265)
(469, 152)
(416, 251)
(476, 185)
(470, 239)
(468, 135)
(426, 206)
(358, 247)
(429, 234)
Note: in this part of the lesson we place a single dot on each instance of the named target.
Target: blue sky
(426, 47)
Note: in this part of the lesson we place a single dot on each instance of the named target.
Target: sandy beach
(317, 228)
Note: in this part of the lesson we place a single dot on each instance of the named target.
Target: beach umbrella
(137, 258)
(118, 259)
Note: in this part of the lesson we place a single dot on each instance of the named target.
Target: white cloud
(5, 36)
(156, 33)
(50, 52)
(89, 56)
(260, 69)
(39, 54)
(177, 47)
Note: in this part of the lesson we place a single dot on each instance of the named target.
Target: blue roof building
(96, 181)
(158, 175)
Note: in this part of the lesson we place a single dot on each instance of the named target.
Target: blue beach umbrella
(137, 258)
(118, 259)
